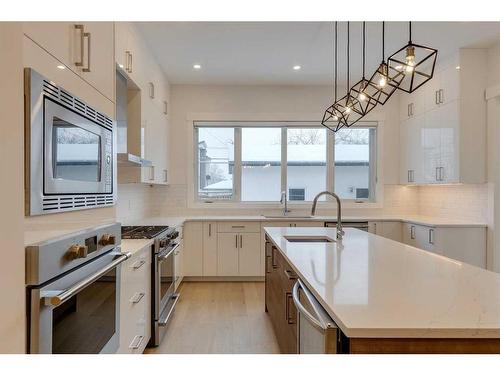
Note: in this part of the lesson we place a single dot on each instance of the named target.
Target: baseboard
(223, 278)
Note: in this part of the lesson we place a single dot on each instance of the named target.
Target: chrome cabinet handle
(436, 94)
(139, 264)
(163, 257)
(136, 342)
(236, 239)
(89, 47)
(165, 175)
(152, 173)
(80, 28)
(441, 96)
(209, 229)
(288, 318)
(151, 90)
(127, 61)
(412, 232)
(241, 241)
(53, 298)
(273, 257)
(437, 173)
(290, 276)
(137, 297)
(237, 226)
(431, 236)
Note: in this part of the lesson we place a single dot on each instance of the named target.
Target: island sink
(309, 239)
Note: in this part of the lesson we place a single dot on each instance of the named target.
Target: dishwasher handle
(317, 320)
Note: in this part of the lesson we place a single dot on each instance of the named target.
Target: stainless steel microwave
(70, 150)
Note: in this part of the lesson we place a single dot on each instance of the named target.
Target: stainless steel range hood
(129, 132)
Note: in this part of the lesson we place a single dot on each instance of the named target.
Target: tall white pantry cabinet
(443, 124)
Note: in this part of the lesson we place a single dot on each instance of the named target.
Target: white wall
(286, 103)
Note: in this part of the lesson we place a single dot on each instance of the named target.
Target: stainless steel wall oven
(73, 289)
(70, 150)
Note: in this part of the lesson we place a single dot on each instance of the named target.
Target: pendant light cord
(363, 49)
(409, 27)
(348, 49)
(335, 62)
(383, 41)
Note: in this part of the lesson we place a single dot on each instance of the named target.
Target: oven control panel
(50, 258)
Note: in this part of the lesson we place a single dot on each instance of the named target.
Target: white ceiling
(265, 52)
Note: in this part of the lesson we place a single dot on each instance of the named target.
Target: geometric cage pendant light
(334, 117)
(349, 105)
(385, 80)
(365, 102)
(416, 62)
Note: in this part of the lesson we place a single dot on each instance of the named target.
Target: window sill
(330, 205)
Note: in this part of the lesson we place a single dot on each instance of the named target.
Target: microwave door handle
(315, 321)
(55, 298)
(163, 257)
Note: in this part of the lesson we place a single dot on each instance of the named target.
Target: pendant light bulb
(410, 59)
(383, 74)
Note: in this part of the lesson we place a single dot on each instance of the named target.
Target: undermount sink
(309, 239)
(287, 216)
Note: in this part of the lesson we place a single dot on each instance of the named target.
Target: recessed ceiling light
(197, 66)
(297, 67)
(61, 67)
(457, 67)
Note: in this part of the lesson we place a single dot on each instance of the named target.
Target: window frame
(284, 125)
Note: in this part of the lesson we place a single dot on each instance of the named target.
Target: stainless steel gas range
(163, 274)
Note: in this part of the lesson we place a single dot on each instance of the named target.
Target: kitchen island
(385, 297)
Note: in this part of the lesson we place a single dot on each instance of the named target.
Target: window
(297, 194)
(306, 160)
(215, 163)
(256, 161)
(354, 163)
(260, 164)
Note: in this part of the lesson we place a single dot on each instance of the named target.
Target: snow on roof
(77, 152)
(307, 153)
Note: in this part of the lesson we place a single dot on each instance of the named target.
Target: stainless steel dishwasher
(361, 225)
(317, 332)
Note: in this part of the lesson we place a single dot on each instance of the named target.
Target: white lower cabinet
(238, 254)
(210, 248)
(135, 302)
(193, 248)
(465, 244)
(392, 230)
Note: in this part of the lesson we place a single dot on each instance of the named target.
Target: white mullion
(330, 162)
(237, 165)
(284, 158)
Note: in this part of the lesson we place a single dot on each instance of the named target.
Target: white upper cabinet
(84, 47)
(140, 67)
(443, 124)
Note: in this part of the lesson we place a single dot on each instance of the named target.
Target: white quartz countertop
(133, 246)
(376, 287)
(422, 220)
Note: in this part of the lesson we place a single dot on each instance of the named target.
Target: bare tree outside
(352, 137)
(306, 137)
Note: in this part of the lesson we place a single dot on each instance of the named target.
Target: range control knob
(76, 251)
(107, 239)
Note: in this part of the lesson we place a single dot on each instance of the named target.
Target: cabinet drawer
(238, 227)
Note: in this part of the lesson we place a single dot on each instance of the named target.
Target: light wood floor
(219, 317)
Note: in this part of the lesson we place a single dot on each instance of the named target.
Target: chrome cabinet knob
(76, 251)
(107, 239)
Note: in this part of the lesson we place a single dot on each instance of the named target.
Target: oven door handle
(55, 298)
(163, 257)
